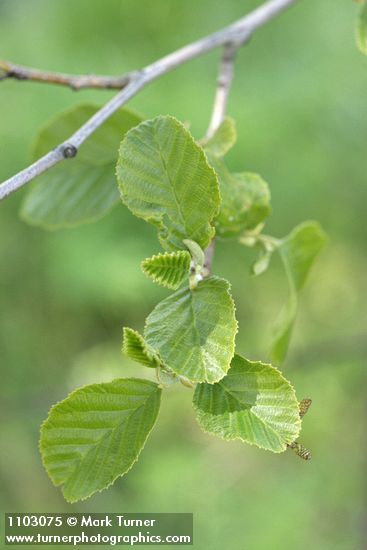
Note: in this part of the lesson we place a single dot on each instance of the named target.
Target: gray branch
(236, 33)
(225, 77)
(75, 82)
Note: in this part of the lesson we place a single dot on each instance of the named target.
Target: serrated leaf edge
(159, 389)
(158, 256)
(233, 343)
(144, 344)
(252, 443)
(158, 221)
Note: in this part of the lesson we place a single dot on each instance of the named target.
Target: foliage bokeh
(299, 101)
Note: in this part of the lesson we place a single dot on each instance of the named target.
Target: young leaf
(194, 331)
(168, 269)
(254, 403)
(197, 253)
(223, 139)
(165, 179)
(298, 251)
(96, 434)
(361, 30)
(262, 262)
(135, 347)
(245, 201)
(83, 189)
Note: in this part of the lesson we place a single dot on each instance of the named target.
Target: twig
(225, 77)
(75, 82)
(209, 257)
(238, 33)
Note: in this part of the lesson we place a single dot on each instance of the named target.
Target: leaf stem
(225, 77)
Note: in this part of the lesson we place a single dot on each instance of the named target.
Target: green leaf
(168, 269)
(245, 201)
(253, 403)
(261, 264)
(361, 30)
(165, 179)
(223, 139)
(83, 189)
(267, 246)
(96, 434)
(135, 347)
(194, 331)
(284, 327)
(298, 251)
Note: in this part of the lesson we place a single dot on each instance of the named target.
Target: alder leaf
(96, 434)
(169, 269)
(223, 138)
(82, 189)
(298, 251)
(165, 179)
(194, 331)
(135, 347)
(245, 200)
(253, 403)
(361, 30)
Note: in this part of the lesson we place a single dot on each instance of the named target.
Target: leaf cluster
(186, 191)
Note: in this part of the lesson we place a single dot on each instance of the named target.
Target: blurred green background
(300, 102)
